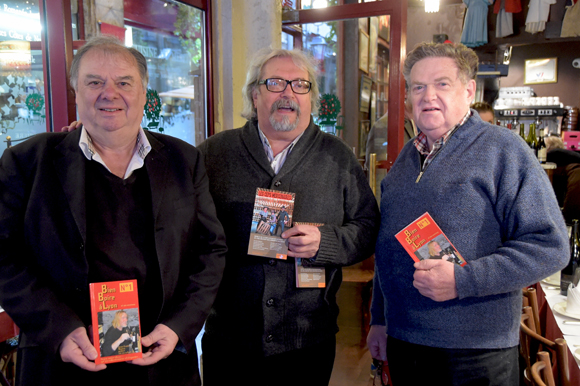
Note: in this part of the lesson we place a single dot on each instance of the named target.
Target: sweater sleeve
(534, 235)
(355, 239)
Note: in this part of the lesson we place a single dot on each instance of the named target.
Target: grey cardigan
(258, 296)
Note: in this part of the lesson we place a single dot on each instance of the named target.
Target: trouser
(310, 366)
(413, 364)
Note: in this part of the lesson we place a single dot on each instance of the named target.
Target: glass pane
(319, 39)
(177, 74)
(357, 78)
(287, 41)
(22, 107)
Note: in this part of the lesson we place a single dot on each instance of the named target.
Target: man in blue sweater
(483, 187)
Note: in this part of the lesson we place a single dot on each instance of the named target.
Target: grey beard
(285, 124)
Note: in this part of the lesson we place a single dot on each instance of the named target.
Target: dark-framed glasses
(299, 86)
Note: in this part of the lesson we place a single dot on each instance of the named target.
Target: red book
(116, 325)
(423, 239)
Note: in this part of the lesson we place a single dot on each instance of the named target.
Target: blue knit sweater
(492, 199)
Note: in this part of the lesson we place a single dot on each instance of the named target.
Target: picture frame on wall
(539, 71)
(385, 27)
(373, 46)
(365, 93)
(373, 107)
(363, 134)
(363, 24)
(363, 51)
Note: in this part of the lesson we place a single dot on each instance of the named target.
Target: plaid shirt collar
(423, 146)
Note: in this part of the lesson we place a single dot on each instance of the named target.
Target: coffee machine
(517, 105)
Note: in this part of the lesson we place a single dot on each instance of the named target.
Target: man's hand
(73, 126)
(435, 279)
(303, 240)
(162, 340)
(76, 348)
(377, 342)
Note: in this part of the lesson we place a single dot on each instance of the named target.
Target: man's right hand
(377, 342)
(76, 348)
(73, 125)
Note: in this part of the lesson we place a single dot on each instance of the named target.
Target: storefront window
(22, 92)
(175, 52)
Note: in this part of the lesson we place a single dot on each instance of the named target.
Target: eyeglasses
(299, 86)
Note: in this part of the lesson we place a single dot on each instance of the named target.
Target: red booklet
(423, 239)
(116, 324)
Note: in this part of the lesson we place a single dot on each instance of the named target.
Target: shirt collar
(142, 148)
(423, 146)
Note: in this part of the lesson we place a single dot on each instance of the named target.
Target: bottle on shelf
(567, 274)
(523, 131)
(531, 139)
(542, 149)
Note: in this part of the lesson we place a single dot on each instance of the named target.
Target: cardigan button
(269, 338)
(270, 302)
(277, 183)
(272, 262)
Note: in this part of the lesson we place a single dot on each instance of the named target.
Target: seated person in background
(485, 111)
(566, 178)
(558, 153)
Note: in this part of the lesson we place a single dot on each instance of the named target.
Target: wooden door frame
(397, 10)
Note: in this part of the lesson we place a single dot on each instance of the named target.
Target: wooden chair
(542, 370)
(530, 299)
(531, 343)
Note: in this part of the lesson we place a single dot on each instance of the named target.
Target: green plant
(188, 29)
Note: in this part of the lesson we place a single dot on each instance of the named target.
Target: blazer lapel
(156, 164)
(69, 165)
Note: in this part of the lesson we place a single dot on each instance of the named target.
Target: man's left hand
(435, 279)
(162, 340)
(303, 241)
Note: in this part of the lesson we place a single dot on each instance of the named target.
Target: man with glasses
(262, 328)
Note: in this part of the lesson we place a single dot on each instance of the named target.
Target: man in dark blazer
(108, 202)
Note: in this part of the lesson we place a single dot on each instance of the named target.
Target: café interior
(196, 50)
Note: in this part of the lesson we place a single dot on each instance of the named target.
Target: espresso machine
(517, 105)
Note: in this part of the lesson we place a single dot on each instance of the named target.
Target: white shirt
(142, 148)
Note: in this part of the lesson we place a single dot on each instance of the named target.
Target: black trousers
(310, 366)
(412, 364)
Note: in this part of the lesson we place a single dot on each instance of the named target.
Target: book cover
(423, 239)
(116, 324)
(309, 277)
(272, 215)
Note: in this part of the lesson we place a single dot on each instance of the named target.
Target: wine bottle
(567, 273)
(531, 139)
(523, 131)
(542, 149)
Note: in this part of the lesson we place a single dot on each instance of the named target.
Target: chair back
(542, 370)
(531, 343)
(530, 299)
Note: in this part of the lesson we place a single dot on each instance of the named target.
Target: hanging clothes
(504, 25)
(571, 23)
(475, 25)
(511, 6)
(538, 15)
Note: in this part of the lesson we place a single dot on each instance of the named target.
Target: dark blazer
(43, 267)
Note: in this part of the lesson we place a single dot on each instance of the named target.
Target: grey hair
(108, 45)
(300, 59)
(465, 58)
